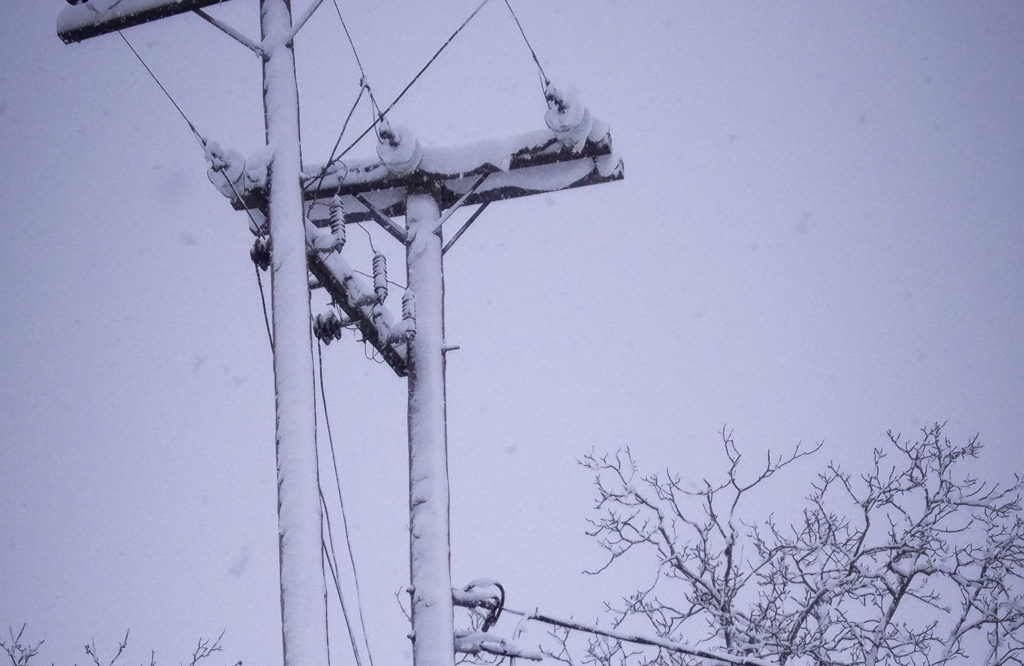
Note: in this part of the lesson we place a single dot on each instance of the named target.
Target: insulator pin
(380, 277)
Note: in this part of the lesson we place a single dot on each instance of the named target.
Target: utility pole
(429, 534)
(427, 186)
(306, 217)
(303, 592)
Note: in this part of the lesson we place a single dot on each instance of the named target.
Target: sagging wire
(344, 518)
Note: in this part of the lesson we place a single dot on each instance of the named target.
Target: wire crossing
(384, 113)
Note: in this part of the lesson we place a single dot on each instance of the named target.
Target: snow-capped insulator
(338, 223)
(567, 117)
(260, 253)
(405, 330)
(327, 327)
(408, 306)
(380, 277)
(399, 150)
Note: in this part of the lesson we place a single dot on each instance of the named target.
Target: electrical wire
(263, 300)
(545, 81)
(191, 126)
(203, 142)
(364, 81)
(333, 566)
(341, 503)
(330, 160)
(409, 85)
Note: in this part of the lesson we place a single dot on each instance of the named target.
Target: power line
(364, 81)
(191, 126)
(203, 142)
(263, 300)
(544, 77)
(332, 565)
(341, 504)
(423, 69)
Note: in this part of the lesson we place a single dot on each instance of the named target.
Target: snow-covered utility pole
(303, 592)
(427, 186)
(429, 540)
(306, 215)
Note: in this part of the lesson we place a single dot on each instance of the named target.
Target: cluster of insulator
(327, 327)
(260, 253)
(337, 218)
(567, 117)
(380, 277)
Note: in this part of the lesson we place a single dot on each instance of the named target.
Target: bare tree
(21, 654)
(912, 563)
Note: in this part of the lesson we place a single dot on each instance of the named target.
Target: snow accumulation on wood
(521, 165)
(98, 17)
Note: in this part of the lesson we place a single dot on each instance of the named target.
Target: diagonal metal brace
(385, 222)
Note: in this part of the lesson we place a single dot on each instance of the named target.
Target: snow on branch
(904, 563)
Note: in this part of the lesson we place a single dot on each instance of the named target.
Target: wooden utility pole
(303, 592)
(429, 540)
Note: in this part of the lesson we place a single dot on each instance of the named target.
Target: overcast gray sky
(819, 238)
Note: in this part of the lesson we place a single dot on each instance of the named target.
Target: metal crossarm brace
(385, 222)
(458, 234)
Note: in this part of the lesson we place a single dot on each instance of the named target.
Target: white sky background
(819, 237)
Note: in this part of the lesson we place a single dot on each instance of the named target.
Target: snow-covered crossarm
(352, 294)
(531, 163)
(99, 17)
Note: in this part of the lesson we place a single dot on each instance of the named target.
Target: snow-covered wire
(341, 503)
